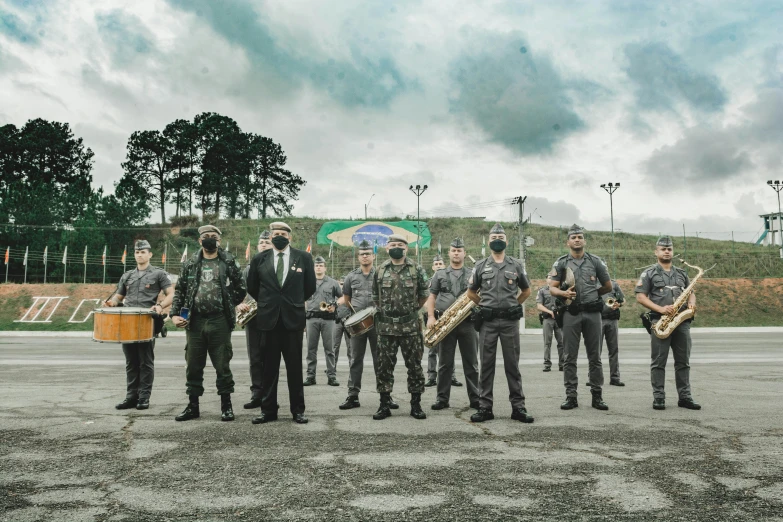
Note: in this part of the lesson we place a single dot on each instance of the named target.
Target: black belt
(495, 313)
(208, 315)
(320, 315)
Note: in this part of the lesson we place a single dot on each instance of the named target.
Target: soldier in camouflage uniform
(211, 288)
(399, 290)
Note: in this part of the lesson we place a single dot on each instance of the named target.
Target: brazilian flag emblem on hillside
(350, 233)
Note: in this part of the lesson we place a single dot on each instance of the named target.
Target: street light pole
(418, 190)
(610, 188)
(366, 206)
(777, 186)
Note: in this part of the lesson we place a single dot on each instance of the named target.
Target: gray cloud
(663, 79)
(124, 35)
(513, 93)
(16, 28)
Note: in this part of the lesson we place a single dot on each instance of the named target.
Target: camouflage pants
(412, 348)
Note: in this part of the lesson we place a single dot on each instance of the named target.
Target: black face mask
(397, 253)
(497, 245)
(209, 244)
(280, 242)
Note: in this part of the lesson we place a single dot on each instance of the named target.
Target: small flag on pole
(163, 258)
(124, 254)
(184, 255)
(84, 259)
(439, 249)
(24, 262)
(309, 247)
(375, 248)
(331, 245)
(46, 253)
(7, 254)
(483, 247)
(65, 255)
(247, 252)
(103, 257)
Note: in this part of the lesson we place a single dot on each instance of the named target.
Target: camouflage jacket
(231, 283)
(396, 292)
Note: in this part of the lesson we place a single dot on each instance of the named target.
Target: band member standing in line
(545, 303)
(432, 354)
(320, 323)
(140, 288)
(610, 329)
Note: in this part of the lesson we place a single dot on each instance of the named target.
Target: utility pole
(777, 186)
(611, 188)
(418, 190)
(519, 200)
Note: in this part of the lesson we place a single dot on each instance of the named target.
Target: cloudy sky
(681, 102)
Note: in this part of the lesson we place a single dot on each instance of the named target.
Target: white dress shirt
(286, 260)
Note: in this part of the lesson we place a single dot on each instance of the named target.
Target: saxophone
(669, 322)
(451, 318)
(245, 317)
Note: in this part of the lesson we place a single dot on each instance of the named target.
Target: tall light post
(418, 190)
(611, 188)
(366, 206)
(777, 186)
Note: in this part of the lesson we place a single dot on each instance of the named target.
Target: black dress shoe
(127, 404)
(482, 415)
(393, 405)
(440, 405)
(688, 403)
(547, 369)
(143, 404)
(569, 404)
(659, 404)
(430, 383)
(616, 383)
(455, 382)
(475, 405)
(521, 415)
(190, 412)
(299, 418)
(598, 402)
(264, 418)
(333, 382)
(350, 402)
(254, 403)
(310, 381)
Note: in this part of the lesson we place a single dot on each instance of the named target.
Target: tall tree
(220, 155)
(184, 138)
(149, 164)
(274, 188)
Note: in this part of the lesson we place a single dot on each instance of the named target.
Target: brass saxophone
(451, 318)
(669, 322)
(243, 318)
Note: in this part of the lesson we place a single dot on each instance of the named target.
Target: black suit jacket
(286, 303)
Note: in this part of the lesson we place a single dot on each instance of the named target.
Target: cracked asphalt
(67, 454)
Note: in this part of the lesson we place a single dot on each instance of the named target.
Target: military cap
(457, 242)
(279, 225)
(209, 228)
(397, 237)
(142, 244)
(665, 241)
(497, 229)
(575, 229)
(365, 245)
(319, 260)
(265, 235)
(437, 258)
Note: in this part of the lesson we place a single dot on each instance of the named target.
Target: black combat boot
(689, 403)
(227, 412)
(482, 415)
(659, 404)
(416, 411)
(127, 404)
(383, 410)
(393, 405)
(598, 401)
(190, 411)
(569, 404)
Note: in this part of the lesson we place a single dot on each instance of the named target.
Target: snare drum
(123, 325)
(360, 322)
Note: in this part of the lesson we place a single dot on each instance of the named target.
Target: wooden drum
(360, 322)
(123, 325)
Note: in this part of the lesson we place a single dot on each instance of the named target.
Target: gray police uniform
(588, 271)
(140, 288)
(663, 288)
(321, 325)
(447, 285)
(343, 312)
(255, 354)
(550, 328)
(433, 351)
(499, 284)
(609, 331)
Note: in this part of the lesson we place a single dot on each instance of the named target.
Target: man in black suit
(281, 280)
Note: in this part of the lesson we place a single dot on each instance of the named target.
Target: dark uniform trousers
(551, 329)
(433, 369)
(357, 351)
(322, 329)
(680, 343)
(339, 333)
(288, 344)
(255, 357)
(588, 326)
(139, 369)
(609, 331)
(208, 335)
(412, 348)
(507, 332)
(465, 334)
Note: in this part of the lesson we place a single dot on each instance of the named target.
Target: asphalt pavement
(67, 454)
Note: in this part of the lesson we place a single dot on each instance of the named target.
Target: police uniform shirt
(358, 287)
(447, 285)
(662, 287)
(545, 297)
(327, 290)
(617, 294)
(141, 287)
(498, 282)
(587, 271)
